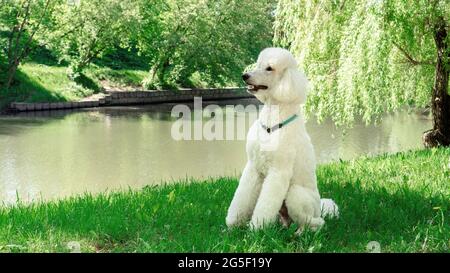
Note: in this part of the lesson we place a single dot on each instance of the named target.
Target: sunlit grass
(50, 83)
(45, 83)
(400, 201)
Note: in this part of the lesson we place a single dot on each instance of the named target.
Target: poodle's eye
(269, 68)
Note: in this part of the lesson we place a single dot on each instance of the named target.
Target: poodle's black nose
(245, 76)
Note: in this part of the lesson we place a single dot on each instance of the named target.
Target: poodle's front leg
(271, 198)
(245, 197)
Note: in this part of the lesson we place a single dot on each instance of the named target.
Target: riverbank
(400, 201)
(43, 88)
(45, 81)
(120, 98)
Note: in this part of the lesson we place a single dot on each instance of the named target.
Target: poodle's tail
(329, 208)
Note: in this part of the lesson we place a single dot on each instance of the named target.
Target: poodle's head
(276, 78)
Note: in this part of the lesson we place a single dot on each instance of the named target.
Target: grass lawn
(42, 78)
(400, 201)
(42, 83)
(50, 83)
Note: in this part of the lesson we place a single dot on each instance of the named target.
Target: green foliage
(181, 43)
(123, 58)
(213, 40)
(22, 22)
(87, 29)
(355, 53)
(400, 201)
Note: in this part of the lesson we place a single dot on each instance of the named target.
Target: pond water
(47, 155)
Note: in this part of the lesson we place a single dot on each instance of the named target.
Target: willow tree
(365, 58)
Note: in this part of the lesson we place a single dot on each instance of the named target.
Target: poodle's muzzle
(252, 88)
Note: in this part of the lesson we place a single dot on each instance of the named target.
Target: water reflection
(54, 154)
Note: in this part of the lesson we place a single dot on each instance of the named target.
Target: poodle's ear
(293, 86)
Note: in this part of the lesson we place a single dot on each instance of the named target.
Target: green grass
(42, 78)
(400, 201)
(40, 82)
(53, 80)
(119, 77)
(43, 83)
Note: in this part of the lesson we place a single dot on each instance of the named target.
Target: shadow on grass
(398, 219)
(42, 55)
(25, 89)
(121, 58)
(87, 83)
(193, 218)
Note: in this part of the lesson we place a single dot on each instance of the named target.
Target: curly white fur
(287, 172)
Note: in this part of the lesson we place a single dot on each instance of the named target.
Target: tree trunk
(11, 73)
(440, 99)
(162, 73)
(158, 73)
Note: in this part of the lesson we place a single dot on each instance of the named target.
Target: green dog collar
(279, 125)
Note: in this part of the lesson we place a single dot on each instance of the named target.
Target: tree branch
(341, 7)
(20, 29)
(27, 47)
(410, 59)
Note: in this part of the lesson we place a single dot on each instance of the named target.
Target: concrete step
(137, 97)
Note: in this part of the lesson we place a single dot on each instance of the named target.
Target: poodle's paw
(253, 226)
(232, 221)
(314, 225)
(256, 224)
(329, 208)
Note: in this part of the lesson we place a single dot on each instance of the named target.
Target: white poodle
(279, 177)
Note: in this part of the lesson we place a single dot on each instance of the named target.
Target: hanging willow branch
(410, 59)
